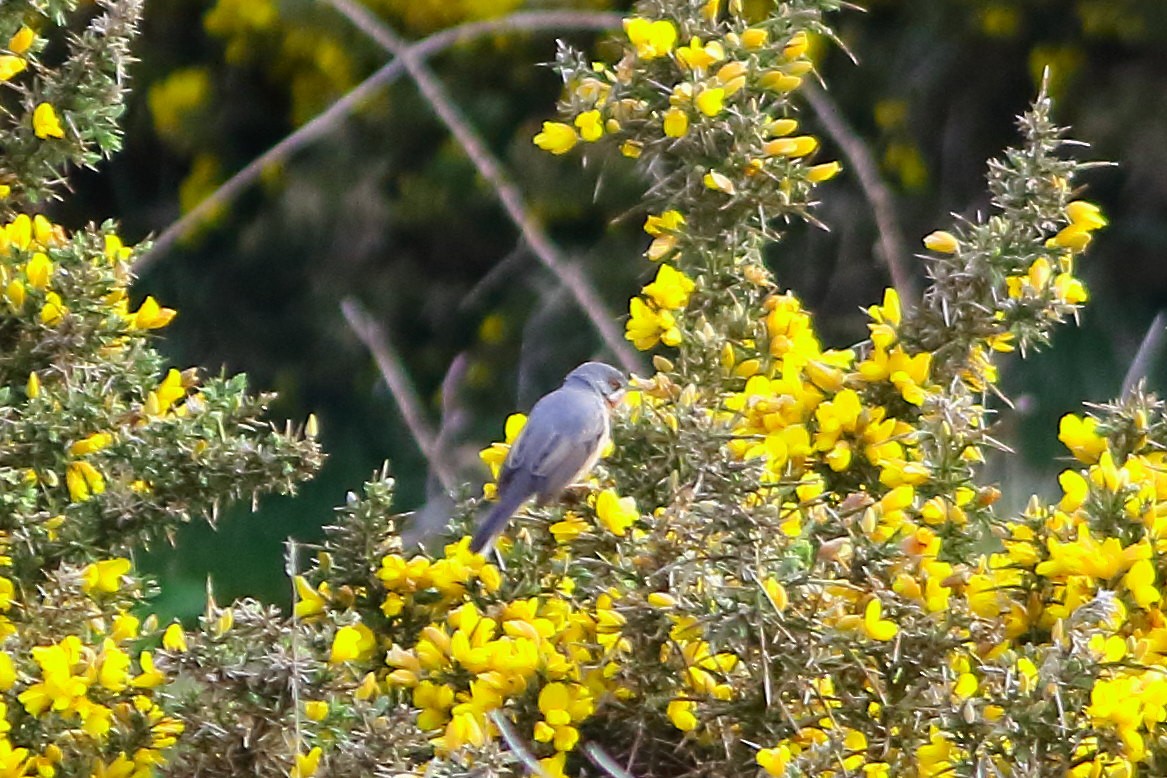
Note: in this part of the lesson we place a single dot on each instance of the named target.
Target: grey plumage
(563, 437)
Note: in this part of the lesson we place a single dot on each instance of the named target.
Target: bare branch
(891, 240)
(373, 336)
(600, 758)
(492, 171)
(325, 122)
(517, 747)
(1152, 344)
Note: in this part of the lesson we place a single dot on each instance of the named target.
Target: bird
(561, 441)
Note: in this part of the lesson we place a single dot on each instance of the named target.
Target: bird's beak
(616, 396)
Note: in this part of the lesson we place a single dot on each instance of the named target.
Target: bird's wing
(561, 438)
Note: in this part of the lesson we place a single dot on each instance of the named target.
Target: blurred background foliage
(387, 209)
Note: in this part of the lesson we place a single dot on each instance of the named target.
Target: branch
(1152, 343)
(323, 124)
(492, 171)
(891, 240)
(370, 333)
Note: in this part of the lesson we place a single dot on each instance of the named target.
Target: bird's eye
(614, 383)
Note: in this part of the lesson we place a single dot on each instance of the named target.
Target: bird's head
(601, 378)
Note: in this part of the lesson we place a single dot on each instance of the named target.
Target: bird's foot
(575, 494)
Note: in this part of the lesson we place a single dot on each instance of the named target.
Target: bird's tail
(507, 504)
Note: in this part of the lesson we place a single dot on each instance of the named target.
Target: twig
(325, 122)
(518, 748)
(373, 336)
(891, 240)
(599, 757)
(492, 171)
(291, 568)
(426, 524)
(1152, 344)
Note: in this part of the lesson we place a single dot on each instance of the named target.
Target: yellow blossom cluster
(716, 71)
(652, 317)
(35, 288)
(546, 651)
(802, 405)
(46, 123)
(92, 693)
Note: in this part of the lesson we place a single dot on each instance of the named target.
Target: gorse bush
(786, 564)
(102, 447)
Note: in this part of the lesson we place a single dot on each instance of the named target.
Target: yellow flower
(151, 676)
(1079, 436)
(53, 310)
(670, 289)
(732, 76)
(7, 672)
(158, 401)
(83, 481)
(173, 638)
(965, 686)
(557, 137)
(570, 528)
(19, 232)
(1140, 582)
(718, 182)
(794, 147)
(151, 316)
(777, 81)
(306, 764)
(95, 442)
(616, 513)
(696, 56)
(651, 39)
(309, 601)
(781, 127)
(104, 576)
(662, 600)
(552, 766)
(114, 250)
(774, 760)
(797, 46)
(1075, 238)
(14, 293)
(114, 671)
(876, 627)
(355, 641)
(669, 221)
(941, 242)
(825, 172)
(683, 714)
(710, 101)
(776, 593)
(316, 710)
(45, 122)
(755, 38)
(59, 688)
(125, 627)
(11, 66)
(1084, 215)
(22, 40)
(647, 326)
(1070, 290)
(676, 123)
(590, 124)
(38, 270)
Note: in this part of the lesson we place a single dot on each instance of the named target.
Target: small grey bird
(561, 441)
